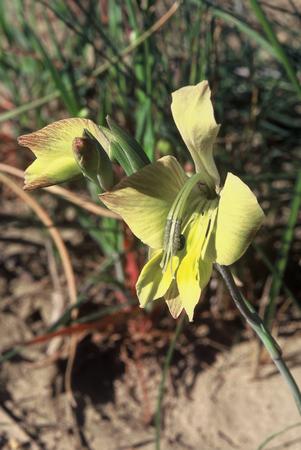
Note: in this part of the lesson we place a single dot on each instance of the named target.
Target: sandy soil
(222, 408)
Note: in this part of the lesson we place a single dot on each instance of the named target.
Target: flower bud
(92, 160)
(133, 153)
(52, 147)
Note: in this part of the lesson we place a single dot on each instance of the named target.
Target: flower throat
(174, 241)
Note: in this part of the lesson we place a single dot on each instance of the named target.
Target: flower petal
(191, 282)
(173, 300)
(239, 217)
(41, 174)
(193, 114)
(145, 198)
(52, 145)
(153, 283)
(194, 272)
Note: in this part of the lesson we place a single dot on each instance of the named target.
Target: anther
(182, 242)
(176, 236)
(173, 241)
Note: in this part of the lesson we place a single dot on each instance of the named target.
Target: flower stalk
(250, 315)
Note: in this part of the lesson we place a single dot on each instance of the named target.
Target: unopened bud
(132, 149)
(93, 160)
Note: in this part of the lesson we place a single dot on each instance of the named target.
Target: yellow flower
(53, 147)
(188, 222)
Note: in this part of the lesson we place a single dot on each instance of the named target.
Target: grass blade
(279, 433)
(284, 253)
(244, 27)
(277, 47)
(96, 72)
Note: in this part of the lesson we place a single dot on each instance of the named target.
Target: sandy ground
(222, 408)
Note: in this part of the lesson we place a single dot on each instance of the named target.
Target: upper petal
(52, 145)
(56, 139)
(239, 217)
(145, 198)
(194, 116)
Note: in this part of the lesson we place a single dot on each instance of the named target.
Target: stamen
(182, 242)
(176, 236)
(173, 240)
(167, 233)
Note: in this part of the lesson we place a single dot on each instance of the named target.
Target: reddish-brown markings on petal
(36, 184)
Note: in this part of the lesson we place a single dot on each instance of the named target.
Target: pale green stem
(264, 335)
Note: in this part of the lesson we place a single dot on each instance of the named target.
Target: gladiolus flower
(188, 222)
